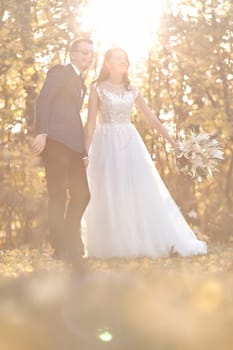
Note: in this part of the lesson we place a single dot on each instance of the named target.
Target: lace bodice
(115, 102)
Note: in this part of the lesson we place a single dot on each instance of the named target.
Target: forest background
(187, 78)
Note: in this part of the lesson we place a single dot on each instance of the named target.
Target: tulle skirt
(131, 213)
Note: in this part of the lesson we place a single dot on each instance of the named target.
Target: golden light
(105, 336)
(16, 128)
(126, 23)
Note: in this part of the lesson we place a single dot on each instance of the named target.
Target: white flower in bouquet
(198, 155)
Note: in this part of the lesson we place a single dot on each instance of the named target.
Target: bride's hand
(174, 144)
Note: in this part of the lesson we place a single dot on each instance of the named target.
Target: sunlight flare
(105, 336)
(124, 23)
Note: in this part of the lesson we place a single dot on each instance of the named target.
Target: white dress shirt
(77, 71)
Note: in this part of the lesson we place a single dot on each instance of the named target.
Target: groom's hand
(38, 144)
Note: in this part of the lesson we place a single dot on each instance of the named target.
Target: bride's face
(118, 62)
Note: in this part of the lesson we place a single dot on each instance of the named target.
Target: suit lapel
(84, 90)
(76, 83)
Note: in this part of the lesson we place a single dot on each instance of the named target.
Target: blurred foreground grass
(164, 304)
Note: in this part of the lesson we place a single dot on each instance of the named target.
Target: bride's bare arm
(153, 120)
(91, 117)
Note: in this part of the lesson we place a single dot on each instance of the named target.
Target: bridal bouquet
(198, 155)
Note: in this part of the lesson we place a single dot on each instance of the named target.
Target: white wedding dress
(131, 213)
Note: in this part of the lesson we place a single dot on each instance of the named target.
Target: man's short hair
(75, 44)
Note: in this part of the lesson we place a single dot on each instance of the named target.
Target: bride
(131, 213)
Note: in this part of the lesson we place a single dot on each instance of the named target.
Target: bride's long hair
(104, 72)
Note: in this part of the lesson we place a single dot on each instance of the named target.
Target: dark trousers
(68, 194)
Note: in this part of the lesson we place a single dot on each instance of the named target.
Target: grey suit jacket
(58, 107)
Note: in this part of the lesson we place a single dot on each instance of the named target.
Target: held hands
(38, 144)
(86, 161)
(176, 145)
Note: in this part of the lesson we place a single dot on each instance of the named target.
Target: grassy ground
(173, 303)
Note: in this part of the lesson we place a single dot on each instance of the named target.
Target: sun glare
(127, 23)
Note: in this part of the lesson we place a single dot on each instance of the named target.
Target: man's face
(83, 57)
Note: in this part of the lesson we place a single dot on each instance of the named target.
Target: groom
(59, 140)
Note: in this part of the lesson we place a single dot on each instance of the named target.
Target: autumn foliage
(187, 80)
